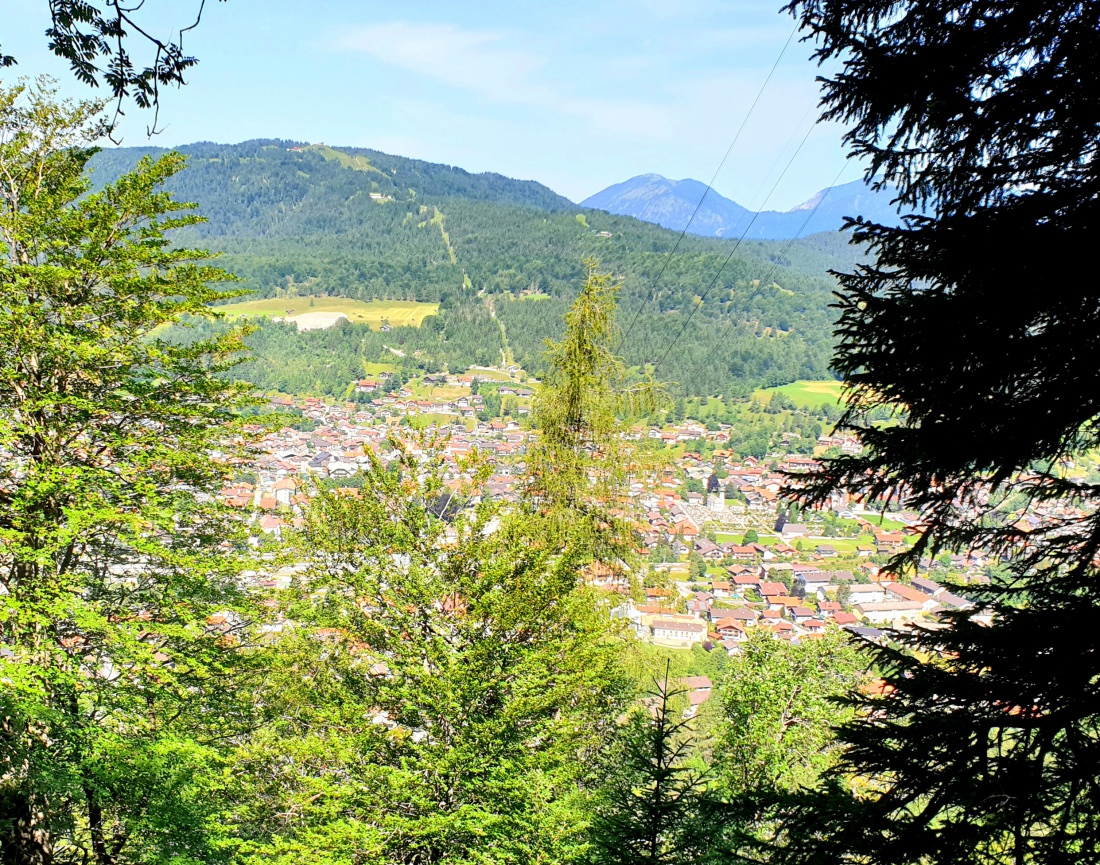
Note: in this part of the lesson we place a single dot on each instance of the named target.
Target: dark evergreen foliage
(974, 325)
(658, 807)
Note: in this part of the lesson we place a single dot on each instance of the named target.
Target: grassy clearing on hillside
(373, 370)
(373, 313)
(437, 392)
(808, 393)
(359, 163)
(484, 374)
(427, 419)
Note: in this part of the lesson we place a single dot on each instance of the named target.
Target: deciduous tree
(445, 689)
(111, 547)
(99, 38)
(779, 717)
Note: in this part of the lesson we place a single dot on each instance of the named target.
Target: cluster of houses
(786, 586)
(345, 438)
(727, 612)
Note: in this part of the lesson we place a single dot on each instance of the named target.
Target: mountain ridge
(671, 204)
(291, 220)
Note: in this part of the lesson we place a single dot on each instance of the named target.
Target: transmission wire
(736, 245)
(775, 266)
(668, 258)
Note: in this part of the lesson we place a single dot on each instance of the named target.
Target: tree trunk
(26, 838)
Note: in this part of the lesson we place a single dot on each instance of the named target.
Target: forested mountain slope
(295, 219)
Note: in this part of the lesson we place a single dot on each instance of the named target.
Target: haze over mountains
(670, 203)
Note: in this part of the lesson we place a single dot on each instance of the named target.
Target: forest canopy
(293, 220)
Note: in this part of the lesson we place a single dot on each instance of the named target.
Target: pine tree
(974, 328)
(659, 807)
(579, 467)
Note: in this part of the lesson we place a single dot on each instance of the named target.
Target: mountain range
(504, 259)
(670, 203)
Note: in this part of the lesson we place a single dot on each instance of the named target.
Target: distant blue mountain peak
(671, 203)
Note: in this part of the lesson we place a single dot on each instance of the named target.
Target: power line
(714, 281)
(775, 266)
(775, 164)
(706, 192)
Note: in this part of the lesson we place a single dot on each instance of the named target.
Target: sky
(575, 95)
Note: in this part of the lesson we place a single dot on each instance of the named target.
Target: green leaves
(441, 686)
(781, 710)
(113, 553)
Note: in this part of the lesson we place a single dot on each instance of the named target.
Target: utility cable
(695, 308)
(775, 266)
(668, 258)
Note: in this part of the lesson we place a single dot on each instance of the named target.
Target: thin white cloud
(474, 60)
(640, 106)
(482, 62)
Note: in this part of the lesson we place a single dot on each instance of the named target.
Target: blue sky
(576, 95)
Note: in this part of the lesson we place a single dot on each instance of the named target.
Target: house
(908, 593)
(696, 683)
(782, 629)
(678, 631)
(731, 629)
(790, 530)
(923, 584)
(341, 470)
(272, 525)
(866, 593)
(284, 491)
(708, 549)
(799, 615)
(889, 612)
(741, 582)
(954, 601)
(811, 583)
(873, 635)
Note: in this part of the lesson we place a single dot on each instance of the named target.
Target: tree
(659, 806)
(779, 714)
(579, 466)
(984, 748)
(96, 37)
(698, 566)
(444, 692)
(751, 537)
(114, 681)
